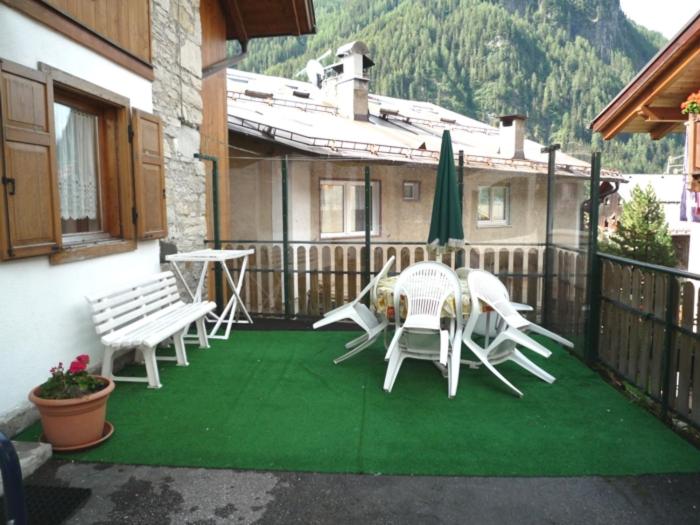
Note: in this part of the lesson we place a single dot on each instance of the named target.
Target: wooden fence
(324, 275)
(567, 306)
(637, 325)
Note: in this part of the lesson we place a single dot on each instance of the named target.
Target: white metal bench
(142, 315)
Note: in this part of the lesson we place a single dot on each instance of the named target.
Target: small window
(86, 143)
(494, 206)
(411, 191)
(343, 208)
(78, 160)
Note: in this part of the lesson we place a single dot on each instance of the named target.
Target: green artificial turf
(275, 400)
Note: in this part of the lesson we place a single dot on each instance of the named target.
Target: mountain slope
(558, 61)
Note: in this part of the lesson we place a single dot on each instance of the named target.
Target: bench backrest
(116, 308)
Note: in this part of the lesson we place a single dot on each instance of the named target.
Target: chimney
(352, 87)
(512, 136)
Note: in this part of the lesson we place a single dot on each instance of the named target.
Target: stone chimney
(352, 87)
(512, 136)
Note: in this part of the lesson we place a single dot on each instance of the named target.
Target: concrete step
(32, 455)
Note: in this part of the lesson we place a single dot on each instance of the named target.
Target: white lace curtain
(77, 163)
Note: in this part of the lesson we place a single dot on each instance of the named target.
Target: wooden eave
(650, 103)
(246, 19)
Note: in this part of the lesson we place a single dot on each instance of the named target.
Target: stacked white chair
(359, 313)
(511, 328)
(426, 286)
(486, 325)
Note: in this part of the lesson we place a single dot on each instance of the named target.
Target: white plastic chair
(426, 286)
(360, 314)
(486, 324)
(485, 288)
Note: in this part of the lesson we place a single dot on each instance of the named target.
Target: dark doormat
(50, 505)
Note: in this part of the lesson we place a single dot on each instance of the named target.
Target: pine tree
(642, 232)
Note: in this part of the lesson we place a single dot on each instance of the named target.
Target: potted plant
(72, 405)
(691, 107)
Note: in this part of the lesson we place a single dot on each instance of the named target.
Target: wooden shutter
(149, 175)
(30, 221)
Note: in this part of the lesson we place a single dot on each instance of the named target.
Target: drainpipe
(217, 230)
(227, 62)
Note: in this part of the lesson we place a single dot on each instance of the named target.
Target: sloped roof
(297, 114)
(650, 103)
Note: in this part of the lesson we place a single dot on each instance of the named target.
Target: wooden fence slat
(353, 290)
(531, 283)
(635, 325)
(646, 331)
(302, 308)
(682, 362)
(625, 320)
(326, 279)
(655, 382)
(339, 267)
(314, 262)
(515, 285)
(277, 292)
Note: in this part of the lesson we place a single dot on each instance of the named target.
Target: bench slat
(153, 329)
(144, 311)
(144, 299)
(115, 299)
(93, 298)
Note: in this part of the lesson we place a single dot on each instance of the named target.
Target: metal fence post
(671, 312)
(595, 277)
(551, 150)
(366, 275)
(286, 278)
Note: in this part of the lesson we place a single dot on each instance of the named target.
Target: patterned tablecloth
(385, 299)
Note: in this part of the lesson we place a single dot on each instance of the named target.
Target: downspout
(227, 62)
(217, 230)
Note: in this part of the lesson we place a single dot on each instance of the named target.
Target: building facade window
(494, 206)
(79, 186)
(342, 205)
(411, 190)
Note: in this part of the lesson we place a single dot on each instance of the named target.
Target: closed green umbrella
(446, 232)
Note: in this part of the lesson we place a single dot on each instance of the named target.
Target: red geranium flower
(76, 367)
(83, 358)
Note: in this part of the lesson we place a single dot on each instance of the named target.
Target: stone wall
(177, 61)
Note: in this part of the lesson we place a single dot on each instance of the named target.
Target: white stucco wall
(44, 317)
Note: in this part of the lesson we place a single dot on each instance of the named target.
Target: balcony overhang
(650, 103)
(247, 19)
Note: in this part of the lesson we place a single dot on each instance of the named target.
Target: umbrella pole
(459, 258)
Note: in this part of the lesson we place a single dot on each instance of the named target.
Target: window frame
(375, 229)
(491, 222)
(118, 233)
(416, 189)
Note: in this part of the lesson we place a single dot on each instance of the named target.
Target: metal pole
(285, 241)
(459, 259)
(549, 248)
(671, 312)
(595, 278)
(368, 228)
(219, 291)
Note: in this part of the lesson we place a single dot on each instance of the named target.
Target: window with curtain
(494, 206)
(343, 208)
(77, 155)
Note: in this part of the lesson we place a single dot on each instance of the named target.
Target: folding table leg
(228, 315)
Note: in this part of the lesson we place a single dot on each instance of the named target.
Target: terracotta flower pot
(73, 423)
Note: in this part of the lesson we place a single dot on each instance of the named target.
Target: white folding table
(228, 315)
